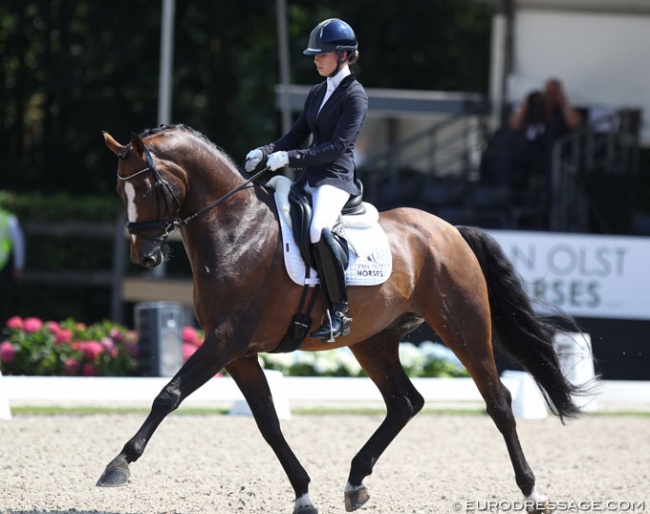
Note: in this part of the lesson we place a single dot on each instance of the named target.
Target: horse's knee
(417, 402)
(167, 400)
(405, 407)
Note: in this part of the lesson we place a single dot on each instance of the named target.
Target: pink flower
(89, 370)
(15, 323)
(109, 346)
(188, 351)
(63, 336)
(32, 325)
(72, 367)
(116, 334)
(7, 352)
(189, 335)
(53, 326)
(92, 349)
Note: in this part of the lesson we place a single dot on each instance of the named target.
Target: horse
(456, 279)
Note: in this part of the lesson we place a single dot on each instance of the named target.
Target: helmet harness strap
(340, 61)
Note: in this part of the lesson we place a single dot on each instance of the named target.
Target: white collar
(333, 82)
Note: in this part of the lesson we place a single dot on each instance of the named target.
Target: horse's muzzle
(150, 257)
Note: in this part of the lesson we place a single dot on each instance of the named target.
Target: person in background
(542, 119)
(333, 114)
(12, 249)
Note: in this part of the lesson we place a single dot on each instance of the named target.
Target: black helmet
(331, 36)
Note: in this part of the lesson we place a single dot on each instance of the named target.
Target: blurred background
(443, 77)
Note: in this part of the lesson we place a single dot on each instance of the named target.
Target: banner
(585, 275)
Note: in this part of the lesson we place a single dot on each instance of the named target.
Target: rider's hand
(277, 160)
(253, 158)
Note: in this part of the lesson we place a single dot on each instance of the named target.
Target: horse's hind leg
(379, 357)
(474, 349)
(249, 376)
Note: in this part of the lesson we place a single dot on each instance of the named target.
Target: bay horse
(456, 279)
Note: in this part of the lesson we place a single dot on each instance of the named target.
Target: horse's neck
(230, 235)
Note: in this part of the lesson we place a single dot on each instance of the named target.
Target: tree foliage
(71, 68)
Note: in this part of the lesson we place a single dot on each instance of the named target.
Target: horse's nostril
(149, 261)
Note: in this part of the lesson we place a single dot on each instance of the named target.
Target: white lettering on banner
(585, 275)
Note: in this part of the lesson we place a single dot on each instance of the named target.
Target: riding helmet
(331, 35)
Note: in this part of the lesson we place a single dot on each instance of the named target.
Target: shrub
(33, 347)
(430, 360)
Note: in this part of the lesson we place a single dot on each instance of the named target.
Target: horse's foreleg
(379, 357)
(249, 376)
(203, 365)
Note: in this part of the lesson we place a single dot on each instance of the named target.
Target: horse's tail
(522, 333)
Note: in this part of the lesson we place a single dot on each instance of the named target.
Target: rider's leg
(335, 296)
(327, 203)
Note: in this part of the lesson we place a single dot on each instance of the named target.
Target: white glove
(277, 160)
(253, 158)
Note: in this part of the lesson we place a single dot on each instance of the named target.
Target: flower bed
(33, 347)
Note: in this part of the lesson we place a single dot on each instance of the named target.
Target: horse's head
(152, 194)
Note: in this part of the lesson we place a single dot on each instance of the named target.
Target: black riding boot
(331, 269)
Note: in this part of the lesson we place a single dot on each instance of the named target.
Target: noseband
(164, 189)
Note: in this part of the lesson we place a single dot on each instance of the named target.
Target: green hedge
(84, 303)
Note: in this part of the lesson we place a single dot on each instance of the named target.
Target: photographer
(537, 124)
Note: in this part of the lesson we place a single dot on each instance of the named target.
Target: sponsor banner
(586, 275)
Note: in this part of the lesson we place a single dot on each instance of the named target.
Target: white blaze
(131, 209)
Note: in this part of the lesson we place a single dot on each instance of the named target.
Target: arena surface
(441, 463)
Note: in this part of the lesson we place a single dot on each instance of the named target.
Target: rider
(333, 114)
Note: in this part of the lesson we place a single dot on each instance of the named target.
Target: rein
(161, 184)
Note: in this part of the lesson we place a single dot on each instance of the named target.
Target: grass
(320, 411)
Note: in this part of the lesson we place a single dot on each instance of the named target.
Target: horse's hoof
(116, 474)
(541, 506)
(356, 498)
(305, 509)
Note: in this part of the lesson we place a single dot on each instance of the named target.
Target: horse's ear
(137, 145)
(113, 145)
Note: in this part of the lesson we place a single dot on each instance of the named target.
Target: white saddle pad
(370, 259)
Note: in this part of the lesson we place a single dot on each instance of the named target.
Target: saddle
(301, 213)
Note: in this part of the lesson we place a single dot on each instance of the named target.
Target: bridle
(164, 190)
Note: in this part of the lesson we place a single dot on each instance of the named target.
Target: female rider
(333, 114)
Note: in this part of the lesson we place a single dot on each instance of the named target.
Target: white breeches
(327, 202)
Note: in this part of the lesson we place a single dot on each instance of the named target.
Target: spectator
(12, 249)
(542, 119)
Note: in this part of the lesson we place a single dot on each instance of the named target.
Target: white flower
(411, 358)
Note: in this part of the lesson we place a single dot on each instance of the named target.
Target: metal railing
(603, 152)
(450, 149)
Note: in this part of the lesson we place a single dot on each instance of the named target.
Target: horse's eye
(148, 191)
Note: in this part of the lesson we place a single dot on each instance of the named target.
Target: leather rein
(165, 190)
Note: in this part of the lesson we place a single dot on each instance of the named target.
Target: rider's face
(326, 63)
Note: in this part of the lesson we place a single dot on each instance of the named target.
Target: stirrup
(328, 326)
